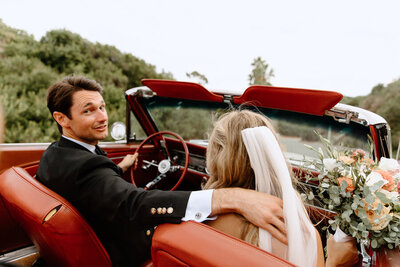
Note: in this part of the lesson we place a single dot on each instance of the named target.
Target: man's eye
(86, 111)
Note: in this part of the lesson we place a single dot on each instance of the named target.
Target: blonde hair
(228, 161)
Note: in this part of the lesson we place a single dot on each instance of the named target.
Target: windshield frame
(145, 99)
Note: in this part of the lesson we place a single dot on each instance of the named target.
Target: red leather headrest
(195, 244)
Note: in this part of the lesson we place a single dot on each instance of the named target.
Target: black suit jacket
(119, 213)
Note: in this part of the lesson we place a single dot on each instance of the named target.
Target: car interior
(34, 216)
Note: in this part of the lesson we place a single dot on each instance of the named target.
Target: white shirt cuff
(199, 206)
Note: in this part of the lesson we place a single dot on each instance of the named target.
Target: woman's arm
(320, 251)
(341, 253)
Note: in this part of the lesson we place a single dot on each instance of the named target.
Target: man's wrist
(226, 200)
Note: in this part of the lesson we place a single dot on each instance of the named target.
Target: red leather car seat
(195, 244)
(61, 235)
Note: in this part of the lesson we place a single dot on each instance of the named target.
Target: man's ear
(61, 119)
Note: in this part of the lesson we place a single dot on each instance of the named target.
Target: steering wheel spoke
(149, 164)
(165, 167)
(151, 184)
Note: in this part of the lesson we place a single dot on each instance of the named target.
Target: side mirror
(118, 131)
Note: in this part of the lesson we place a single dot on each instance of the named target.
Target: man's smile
(101, 127)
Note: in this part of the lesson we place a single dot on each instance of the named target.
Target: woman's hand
(341, 253)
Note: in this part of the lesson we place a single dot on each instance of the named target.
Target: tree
(260, 74)
(198, 77)
(382, 100)
(29, 67)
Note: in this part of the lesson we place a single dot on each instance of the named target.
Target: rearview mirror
(118, 131)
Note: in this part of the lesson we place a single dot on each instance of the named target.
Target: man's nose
(102, 115)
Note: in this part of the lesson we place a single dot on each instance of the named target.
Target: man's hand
(128, 161)
(262, 210)
(341, 253)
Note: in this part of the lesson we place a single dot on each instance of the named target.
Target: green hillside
(28, 67)
(385, 101)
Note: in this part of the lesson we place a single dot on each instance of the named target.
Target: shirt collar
(91, 148)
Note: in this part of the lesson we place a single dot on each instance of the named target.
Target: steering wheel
(166, 166)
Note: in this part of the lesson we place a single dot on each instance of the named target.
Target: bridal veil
(272, 177)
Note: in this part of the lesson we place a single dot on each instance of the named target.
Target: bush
(28, 68)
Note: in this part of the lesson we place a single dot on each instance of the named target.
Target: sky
(348, 46)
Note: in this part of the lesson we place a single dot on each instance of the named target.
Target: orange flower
(369, 161)
(378, 221)
(350, 187)
(390, 186)
(347, 160)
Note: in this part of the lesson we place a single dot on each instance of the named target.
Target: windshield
(193, 120)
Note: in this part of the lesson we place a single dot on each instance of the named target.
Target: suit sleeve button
(148, 232)
(164, 210)
(159, 210)
(170, 210)
(153, 211)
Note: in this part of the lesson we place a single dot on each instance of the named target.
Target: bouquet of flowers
(364, 194)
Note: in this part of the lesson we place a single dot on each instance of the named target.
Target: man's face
(89, 121)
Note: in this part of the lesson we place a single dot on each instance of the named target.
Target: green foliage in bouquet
(363, 194)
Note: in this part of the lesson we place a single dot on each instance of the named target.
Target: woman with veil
(243, 151)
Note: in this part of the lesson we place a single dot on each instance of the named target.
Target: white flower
(390, 195)
(340, 236)
(373, 178)
(388, 164)
(330, 164)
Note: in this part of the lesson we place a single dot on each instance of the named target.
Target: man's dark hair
(59, 95)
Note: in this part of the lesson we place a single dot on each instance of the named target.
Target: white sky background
(347, 46)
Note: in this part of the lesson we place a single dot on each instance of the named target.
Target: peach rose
(390, 186)
(347, 160)
(369, 161)
(372, 215)
(350, 187)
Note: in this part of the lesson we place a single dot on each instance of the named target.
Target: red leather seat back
(195, 244)
(64, 239)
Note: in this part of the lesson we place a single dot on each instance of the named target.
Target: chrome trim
(345, 116)
(366, 259)
(142, 91)
(228, 99)
(370, 117)
(15, 255)
(23, 144)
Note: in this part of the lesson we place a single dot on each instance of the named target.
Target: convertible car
(168, 123)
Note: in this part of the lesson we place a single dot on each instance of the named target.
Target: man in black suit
(124, 217)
